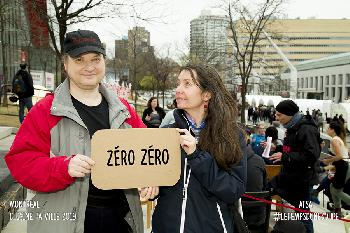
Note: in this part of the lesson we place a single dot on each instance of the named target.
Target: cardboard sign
(135, 158)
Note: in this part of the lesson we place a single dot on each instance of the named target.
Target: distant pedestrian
(22, 86)
(250, 112)
(153, 114)
(341, 119)
(335, 118)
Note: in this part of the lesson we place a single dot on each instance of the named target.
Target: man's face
(85, 71)
(283, 119)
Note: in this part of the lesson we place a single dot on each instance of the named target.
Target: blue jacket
(208, 185)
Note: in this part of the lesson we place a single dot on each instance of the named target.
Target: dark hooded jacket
(28, 82)
(208, 186)
(301, 151)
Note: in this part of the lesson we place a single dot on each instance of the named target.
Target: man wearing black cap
(51, 151)
(301, 150)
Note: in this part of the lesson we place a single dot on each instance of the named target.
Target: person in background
(153, 115)
(341, 119)
(276, 144)
(256, 182)
(258, 138)
(169, 116)
(51, 153)
(22, 86)
(301, 151)
(342, 173)
(213, 157)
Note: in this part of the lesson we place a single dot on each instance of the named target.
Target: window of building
(348, 79)
(327, 92)
(301, 83)
(306, 82)
(327, 80)
(311, 82)
(321, 82)
(333, 79)
(340, 79)
(316, 82)
(333, 92)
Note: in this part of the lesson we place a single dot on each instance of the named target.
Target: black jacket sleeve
(309, 151)
(145, 113)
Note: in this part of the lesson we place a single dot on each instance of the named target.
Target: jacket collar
(62, 105)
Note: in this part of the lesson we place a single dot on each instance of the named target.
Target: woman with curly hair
(213, 157)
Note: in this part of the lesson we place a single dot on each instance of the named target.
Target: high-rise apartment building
(139, 41)
(121, 59)
(208, 38)
(131, 54)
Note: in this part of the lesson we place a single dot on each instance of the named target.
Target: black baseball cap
(82, 41)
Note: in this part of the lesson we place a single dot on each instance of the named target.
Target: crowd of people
(51, 153)
(298, 151)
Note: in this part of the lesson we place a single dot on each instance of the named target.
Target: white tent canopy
(304, 104)
(267, 100)
(309, 104)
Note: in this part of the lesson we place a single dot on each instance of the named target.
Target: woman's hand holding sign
(80, 165)
(187, 141)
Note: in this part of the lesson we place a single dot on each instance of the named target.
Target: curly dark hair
(150, 101)
(220, 137)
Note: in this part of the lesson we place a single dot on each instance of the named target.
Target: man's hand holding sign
(134, 158)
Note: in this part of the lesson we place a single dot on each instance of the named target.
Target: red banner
(36, 12)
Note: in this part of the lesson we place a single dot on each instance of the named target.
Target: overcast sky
(176, 15)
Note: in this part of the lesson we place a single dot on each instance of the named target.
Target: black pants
(104, 220)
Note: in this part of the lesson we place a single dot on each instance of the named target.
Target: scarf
(295, 119)
(192, 124)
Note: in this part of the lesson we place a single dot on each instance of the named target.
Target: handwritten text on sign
(131, 158)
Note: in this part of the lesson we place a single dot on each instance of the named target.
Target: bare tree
(246, 32)
(59, 15)
(7, 24)
(162, 69)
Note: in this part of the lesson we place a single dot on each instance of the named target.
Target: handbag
(239, 225)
